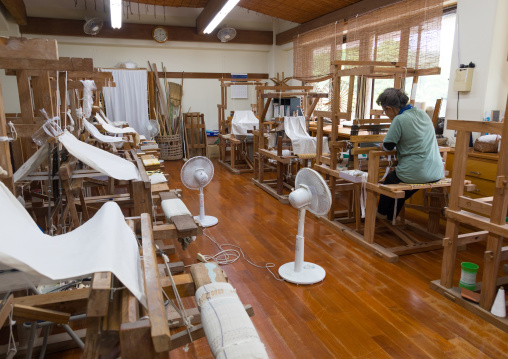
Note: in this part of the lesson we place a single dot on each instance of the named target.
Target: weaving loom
(243, 122)
(86, 250)
(262, 155)
(304, 146)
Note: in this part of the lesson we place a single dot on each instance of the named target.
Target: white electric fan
(311, 193)
(197, 173)
(153, 129)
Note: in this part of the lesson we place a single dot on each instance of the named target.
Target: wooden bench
(412, 244)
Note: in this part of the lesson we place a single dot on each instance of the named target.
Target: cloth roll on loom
(228, 328)
(174, 207)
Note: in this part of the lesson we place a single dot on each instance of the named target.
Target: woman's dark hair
(392, 97)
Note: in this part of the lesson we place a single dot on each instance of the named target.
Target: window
(430, 88)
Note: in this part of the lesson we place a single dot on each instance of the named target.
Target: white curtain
(128, 101)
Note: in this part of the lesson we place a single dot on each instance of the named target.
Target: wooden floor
(365, 307)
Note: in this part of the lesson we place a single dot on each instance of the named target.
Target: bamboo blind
(407, 32)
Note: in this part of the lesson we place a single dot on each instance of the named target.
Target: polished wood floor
(365, 307)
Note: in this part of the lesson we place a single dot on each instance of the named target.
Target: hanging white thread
(183, 314)
(363, 193)
(13, 132)
(387, 168)
(11, 351)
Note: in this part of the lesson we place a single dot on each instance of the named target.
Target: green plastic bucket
(468, 275)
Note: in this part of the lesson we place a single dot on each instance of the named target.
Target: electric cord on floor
(229, 256)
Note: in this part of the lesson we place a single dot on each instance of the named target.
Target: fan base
(209, 221)
(311, 273)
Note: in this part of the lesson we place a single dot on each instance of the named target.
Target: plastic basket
(170, 147)
(50, 129)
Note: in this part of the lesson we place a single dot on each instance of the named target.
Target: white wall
(199, 95)
(482, 39)
(8, 83)
(497, 89)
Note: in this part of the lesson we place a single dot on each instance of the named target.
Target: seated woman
(412, 134)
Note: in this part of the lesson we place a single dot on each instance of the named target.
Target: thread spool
(499, 305)
(468, 275)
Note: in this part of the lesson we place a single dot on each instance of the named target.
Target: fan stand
(205, 221)
(300, 272)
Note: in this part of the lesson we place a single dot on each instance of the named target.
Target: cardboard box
(213, 151)
(211, 139)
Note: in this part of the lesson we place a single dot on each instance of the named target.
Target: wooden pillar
(5, 153)
(24, 145)
(452, 226)
(492, 255)
(42, 93)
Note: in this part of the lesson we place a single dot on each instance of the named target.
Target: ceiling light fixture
(115, 7)
(220, 15)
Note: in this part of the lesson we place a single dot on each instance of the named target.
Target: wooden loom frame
(327, 164)
(261, 153)
(487, 214)
(238, 162)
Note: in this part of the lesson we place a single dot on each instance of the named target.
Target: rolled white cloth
(174, 207)
(157, 178)
(228, 328)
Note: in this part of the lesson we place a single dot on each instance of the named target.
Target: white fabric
(284, 152)
(157, 178)
(228, 328)
(112, 129)
(103, 244)
(128, 101)
(116, 124)
(174, 207)
(489, 138)
(88, 88)
(32, 164)
(302, 142)
(99, 136)
(354, 176)
(102, 161)
(242, 122)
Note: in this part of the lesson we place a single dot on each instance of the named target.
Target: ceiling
(185, 12)
(255, 20)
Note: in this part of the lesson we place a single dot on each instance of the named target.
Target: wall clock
(160, 34)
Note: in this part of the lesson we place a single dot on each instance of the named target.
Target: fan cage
(224, 32)
(321, 196)
(190, 167)
(93, 26)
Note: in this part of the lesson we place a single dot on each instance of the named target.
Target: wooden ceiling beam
(63, 64)
(23, 48)
(211, 9)
(17, 10)
(64, 27)
(352, 10)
